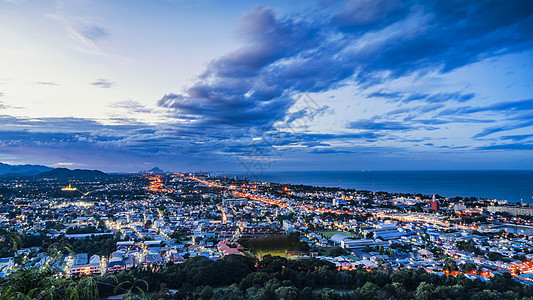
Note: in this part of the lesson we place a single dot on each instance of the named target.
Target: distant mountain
(64, 173)
(22, 170)
(156, 170)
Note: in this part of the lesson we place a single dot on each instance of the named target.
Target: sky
(209, 85)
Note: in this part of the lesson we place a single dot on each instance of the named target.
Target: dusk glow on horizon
(125, 86)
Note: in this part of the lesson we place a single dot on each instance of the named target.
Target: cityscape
(266, 150)
(108, 224)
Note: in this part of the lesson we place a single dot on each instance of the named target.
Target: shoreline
(510, 185)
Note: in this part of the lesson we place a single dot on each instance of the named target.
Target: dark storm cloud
(247, 93)
(448, 34)
(239, 89)
(255, 85)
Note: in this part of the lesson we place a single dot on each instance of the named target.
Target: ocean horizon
(510, 185)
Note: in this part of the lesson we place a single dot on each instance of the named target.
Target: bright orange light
(267, 200)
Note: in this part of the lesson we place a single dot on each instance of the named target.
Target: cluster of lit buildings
(170, 218)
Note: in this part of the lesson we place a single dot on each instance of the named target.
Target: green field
(261, 253)
(329, 233)
(276, 245)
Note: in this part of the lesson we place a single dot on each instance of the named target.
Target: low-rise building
(83, 266)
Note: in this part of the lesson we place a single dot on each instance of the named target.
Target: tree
(468, 267)
(306, 293)
(398, 290)
(101, 225)
(449, 265)
(335, 251)
(130, 287)
(207, 293)
(469, 247)
(287, 292)
(369, 290)
(329, 294)
(15, 241)
(424, 291)
(29, 282)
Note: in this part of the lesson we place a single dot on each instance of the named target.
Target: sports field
(329, 233)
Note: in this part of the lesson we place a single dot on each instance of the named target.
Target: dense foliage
(12, 241)
(468, 247)
(237, 277)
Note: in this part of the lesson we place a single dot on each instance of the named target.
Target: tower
(434, 203)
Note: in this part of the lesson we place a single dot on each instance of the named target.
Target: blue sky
(278, 85)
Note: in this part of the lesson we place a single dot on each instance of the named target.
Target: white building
(234, 202)
(356, 244)
(288, 226)
(6, 266)
(84, 266)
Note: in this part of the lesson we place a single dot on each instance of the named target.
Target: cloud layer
(358, 43)
(248, 102)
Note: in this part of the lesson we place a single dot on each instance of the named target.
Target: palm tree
(15, 240)
(134, 287)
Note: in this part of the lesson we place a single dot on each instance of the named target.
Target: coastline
(510, 185)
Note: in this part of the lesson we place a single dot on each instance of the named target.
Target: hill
(7, 170)
(155, 170)
(64, 173)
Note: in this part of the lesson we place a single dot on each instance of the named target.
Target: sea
(513, 186)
